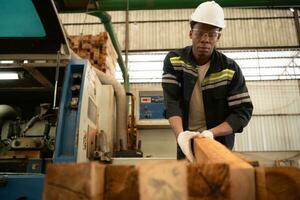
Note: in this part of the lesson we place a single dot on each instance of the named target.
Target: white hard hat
(210, 13)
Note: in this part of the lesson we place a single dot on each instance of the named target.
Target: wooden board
(84, 181)
(165, 180)
(121, 182)
(209, 182)
(20, 154)
(98, 49)
(241, 173)
(277, 183)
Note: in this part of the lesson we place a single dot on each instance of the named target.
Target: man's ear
(190, 34)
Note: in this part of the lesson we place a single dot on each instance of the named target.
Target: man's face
(204, 38)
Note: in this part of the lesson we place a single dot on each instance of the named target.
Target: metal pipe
(113, 5)
(106, 20)
(133, 139)
(121, 132)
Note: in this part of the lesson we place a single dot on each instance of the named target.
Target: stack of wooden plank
(217, 174)
(98, 49)
(149, 180)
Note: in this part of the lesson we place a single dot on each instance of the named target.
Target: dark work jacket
(225, 95)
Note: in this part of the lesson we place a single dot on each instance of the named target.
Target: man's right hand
(184, 141)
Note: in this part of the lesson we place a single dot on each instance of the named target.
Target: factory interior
(83, 112)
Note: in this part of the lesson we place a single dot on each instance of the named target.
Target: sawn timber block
(84, 181)
(121, 182)
(242, 176)
(277, 183)
(208, 182)
(165, 180)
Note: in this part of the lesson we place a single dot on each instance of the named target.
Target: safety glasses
(210, 34)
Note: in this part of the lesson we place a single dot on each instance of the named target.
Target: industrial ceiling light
(9, 76)
(6, 61)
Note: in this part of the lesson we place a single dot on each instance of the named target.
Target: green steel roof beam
(114, 5)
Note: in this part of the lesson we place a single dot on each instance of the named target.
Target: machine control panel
(151, 107)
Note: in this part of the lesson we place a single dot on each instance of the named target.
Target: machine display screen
(151, 107)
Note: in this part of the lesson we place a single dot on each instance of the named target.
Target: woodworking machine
(74, 118)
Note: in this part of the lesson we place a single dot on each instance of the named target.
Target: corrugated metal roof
(160, 15)
(159, 35)
(174, 14)
(256, 13)
(153, 29)
(259, 33)
(241, 34)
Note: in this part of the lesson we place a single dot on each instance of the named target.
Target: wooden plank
(165, 180)
(260, 184)
(241, 173)
(37, 75)
(20, 154)
(84, 181)
(121, 182)
(209, 182)
(277, 183)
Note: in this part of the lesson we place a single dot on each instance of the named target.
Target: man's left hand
(206, 134)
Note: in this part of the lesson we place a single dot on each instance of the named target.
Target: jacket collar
(214, 62)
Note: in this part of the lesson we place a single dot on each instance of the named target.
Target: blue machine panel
(21, 186)
(35, 166)
(151, 107)
(67, 128)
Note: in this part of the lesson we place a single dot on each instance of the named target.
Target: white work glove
(206, 134)
(184, 141)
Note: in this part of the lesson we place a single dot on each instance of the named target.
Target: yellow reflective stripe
(229, 71)
(177, 62)
(219, 77)
(175, 58)
(225, 73)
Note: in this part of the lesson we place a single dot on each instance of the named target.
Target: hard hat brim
(212, 24)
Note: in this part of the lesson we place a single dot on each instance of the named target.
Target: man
(204, 91)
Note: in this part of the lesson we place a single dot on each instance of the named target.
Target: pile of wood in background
(98, 49)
